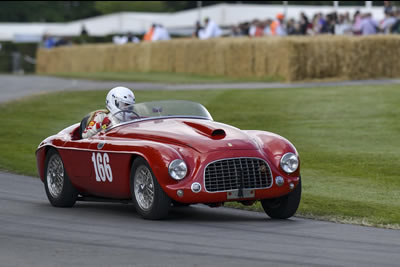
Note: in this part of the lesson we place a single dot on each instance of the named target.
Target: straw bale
(293, 58)
(239, 57)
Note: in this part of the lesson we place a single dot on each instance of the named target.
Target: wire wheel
(59, 190)
(55, 175)
(144, 188)
(150, 200)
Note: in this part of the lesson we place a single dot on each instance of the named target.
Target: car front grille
(235, 173)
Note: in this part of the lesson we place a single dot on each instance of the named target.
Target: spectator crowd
(332, 23)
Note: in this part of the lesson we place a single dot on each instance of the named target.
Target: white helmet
(120, 99)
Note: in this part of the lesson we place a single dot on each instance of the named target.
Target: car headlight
(177, 169)
(289, 163)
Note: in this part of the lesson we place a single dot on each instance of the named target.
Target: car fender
(274, 146)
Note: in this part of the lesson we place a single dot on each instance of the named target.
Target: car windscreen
(168, 108)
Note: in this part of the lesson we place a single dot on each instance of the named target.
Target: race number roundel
(102, 168)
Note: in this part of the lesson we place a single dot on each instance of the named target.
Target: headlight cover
(289, 162)
(177, 169)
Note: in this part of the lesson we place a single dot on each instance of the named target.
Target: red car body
(161, 140)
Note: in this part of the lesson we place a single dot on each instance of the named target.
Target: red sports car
(171, 153)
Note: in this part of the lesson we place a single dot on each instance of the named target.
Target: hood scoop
(214, 133)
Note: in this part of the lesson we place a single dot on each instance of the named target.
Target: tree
(106, 7)
(45, 11)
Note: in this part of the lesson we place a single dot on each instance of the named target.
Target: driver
(119, 101)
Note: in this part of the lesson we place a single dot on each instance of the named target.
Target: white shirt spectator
(387, 24)
(160, 34)
(212, 30)
(343, 29)
(280, 30)
(120, 39)
(267, 30)
(252, 30)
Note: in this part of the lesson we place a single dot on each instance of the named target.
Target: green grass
(347, 137)
(161, 77)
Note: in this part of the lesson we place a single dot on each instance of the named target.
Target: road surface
(33, 233)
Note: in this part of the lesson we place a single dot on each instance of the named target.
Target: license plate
(246, 193)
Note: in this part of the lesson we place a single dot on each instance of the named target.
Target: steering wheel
(130, 114)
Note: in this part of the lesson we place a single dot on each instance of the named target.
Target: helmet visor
(126, 107)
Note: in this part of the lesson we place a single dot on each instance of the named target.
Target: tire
(150, 200)
(59, 190)
(283, 207)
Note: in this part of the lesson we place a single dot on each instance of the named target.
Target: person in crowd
(211, 30)
(368, 25)
(84, 36)
(48, 41)
(198, 27)
(396, 26)
(388, 7)
(304, 24)
(245, 28)
(316, 28)
(343, 25)
(123, 39)
(320, 24)
(84, 31)
(292, 27)
(120, 40)
(278, 26)
(236, 31)
(160, 33)
(119, 104)
(63, 41)
(357, 23)
(149, 34)
(388, 22)
(267, 27)
(253, 27)
(132, 38)
(258, 30)
(328, 24)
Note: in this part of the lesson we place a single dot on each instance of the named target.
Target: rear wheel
(283, 207)
(150, 200)
(59, 189)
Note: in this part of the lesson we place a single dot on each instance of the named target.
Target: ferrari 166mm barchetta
(171, 152)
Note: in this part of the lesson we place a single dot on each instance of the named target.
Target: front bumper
(183, 190)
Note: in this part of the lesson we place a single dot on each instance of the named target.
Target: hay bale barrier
(289, 58)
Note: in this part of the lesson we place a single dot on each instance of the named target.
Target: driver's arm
(95, 125)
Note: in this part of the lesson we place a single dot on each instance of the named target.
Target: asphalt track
(16, 86)
(33, 233)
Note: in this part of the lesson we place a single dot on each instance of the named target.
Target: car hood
(201, 135)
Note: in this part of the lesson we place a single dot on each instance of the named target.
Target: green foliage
(347, 138)
(59, 11)
(106, 7)
(45, 11)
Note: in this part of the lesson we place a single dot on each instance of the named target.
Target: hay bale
(294, 58)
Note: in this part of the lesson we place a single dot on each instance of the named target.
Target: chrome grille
(231, 174)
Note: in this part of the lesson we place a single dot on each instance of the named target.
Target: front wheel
(283, 207)
(150, 200)
(59, 190)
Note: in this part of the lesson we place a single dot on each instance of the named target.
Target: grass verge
(347, 138)
(161, 77)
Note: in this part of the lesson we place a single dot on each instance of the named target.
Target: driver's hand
(105, 123)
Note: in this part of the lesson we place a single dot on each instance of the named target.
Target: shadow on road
(193, 213)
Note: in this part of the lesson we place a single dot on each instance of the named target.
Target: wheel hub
(55, 176)
(144, 188)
